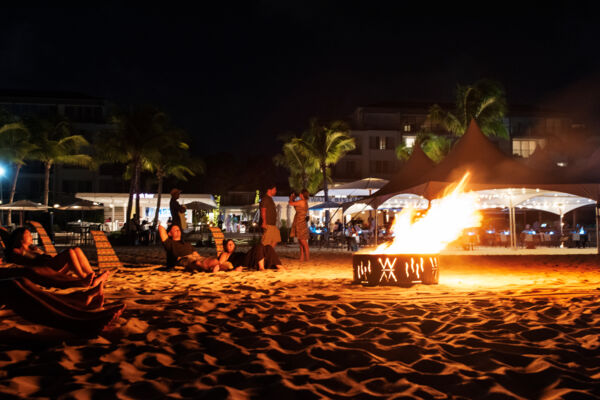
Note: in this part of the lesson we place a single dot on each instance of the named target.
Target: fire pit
(395, 269)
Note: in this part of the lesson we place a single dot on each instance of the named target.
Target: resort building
(379, 129)
(115, 206)
(88, 116)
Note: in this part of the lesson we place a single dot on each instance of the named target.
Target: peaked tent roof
(491, 169)
(410, 174)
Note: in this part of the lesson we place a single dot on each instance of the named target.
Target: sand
(495, 327)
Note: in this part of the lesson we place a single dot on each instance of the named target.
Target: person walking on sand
(176, 208)
(268, 218)
(299, 226)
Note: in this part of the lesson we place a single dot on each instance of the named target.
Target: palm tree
(56, 145)
(15, 148)
(484, 101)
(437, 146)
(327, 144)
(139, 137)
(403, 152)
(304, 169)
(173, 160)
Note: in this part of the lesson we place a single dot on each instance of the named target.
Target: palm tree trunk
(13, 189)
(129, 204)
(137, 191)
(325, 191)
(47, 167)
(158, 198)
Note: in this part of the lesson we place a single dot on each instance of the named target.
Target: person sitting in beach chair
(20, 250)
(259, 257)
(182, 253)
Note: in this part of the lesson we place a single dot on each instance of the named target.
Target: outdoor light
(2, 171)
(56, 205)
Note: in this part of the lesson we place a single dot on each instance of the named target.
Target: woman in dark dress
(258, 257)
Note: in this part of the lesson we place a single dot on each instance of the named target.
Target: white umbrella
(82, 205)
(363, 187)
(198, 205)
(24, 205)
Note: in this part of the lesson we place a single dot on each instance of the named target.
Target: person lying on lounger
(20, 250)
(81, 313)
(258, 257)
(182, 253)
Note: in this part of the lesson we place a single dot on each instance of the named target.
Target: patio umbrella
(23, 205)
(326, 205)
(363, 187)
(198, 206)
(83, 205)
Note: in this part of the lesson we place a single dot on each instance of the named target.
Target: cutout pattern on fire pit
(395, 269)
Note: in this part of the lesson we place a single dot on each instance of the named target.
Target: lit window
(407, 128)
(524, 147)
(409, 141)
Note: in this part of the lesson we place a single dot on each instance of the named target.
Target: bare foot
(100, 278)
(261, 268)
(280, 268)
(238, 269)
(96, 301)
(216, 268)
(115, 317)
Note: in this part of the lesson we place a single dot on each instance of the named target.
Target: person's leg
(304, 249)
(48, 277)
(74, 264)
(61, 262)
(90, 299)
(271, 259)
(301, 250)
(209, 264)
(83, 261)
(252, 259)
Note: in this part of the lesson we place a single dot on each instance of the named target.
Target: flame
(443, 223)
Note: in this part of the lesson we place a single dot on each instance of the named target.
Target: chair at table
(44, 238)
(107, 258)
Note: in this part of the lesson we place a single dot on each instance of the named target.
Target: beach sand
(495, 327)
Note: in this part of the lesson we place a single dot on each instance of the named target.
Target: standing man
(268, 218)
(176, 208)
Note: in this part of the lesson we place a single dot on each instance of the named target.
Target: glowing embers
(395, 270)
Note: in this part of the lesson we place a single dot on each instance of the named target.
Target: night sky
(241, 73)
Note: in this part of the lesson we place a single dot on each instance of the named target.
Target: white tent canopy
(554, 202)
(363, 187)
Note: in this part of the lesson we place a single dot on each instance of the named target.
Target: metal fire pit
(395, 269)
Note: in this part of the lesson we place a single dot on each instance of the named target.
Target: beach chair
(44, 238)
(218, 237)
(107, 258)
(4, 234)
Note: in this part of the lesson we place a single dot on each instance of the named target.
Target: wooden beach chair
(44, 238)
(218, 237)
(4, 234)
(107, 258)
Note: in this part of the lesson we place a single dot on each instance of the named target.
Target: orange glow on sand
(442, 224)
